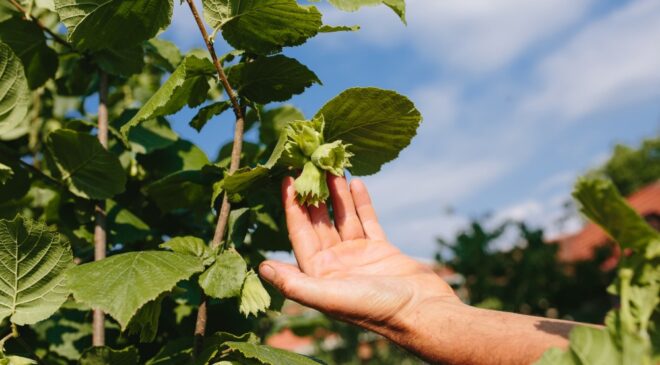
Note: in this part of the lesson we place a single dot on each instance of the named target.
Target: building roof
(581, 245)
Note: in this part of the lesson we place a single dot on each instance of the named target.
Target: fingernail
(267, 272)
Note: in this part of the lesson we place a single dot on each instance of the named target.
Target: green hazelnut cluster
(306, 149)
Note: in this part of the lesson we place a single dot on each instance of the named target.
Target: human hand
(349, 270)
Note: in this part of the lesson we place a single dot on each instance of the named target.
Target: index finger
(303, 238)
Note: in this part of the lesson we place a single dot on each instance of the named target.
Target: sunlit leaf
(376, 123)
(262, 26)
(32, 281)
(135, 277)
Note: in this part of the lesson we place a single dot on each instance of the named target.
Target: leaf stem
(12, 334)
(223, 214)
(28, 16)
(100, 233)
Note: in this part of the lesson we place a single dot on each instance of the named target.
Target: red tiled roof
(581, 246)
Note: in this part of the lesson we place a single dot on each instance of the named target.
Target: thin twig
(100, 233)
(36, 21)
(12, 334)
(225, 208)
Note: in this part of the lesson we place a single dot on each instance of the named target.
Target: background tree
(631, 168)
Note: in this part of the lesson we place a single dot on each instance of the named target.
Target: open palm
(348, 269)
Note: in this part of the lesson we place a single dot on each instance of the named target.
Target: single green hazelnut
(332, 157)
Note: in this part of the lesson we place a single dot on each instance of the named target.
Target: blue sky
(518, 98)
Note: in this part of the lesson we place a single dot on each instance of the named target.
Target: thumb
(288, 279)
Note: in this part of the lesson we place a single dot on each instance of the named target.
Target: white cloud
(612, 62)
(475, 35)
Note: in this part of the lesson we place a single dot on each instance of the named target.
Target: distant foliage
(527, 278)
(632, 168)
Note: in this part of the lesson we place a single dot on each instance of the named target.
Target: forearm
(454, 333)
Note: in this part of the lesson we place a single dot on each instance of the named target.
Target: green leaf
(398, 6)
(188, 84)
(165, 54)
(181, 190)
(15, 98)
(123, 62)
(262, 26)
(377, 124)
(594, 346)
(206, 113)
(556, 356)
(175, 352)
(104, 355)
(145, 321)
(213, 346)
(190, 245)
(86, 167)
(273, 122)
(135, 277)
(225, 277)
(114, 24)
(178, 156)
(27, 41)
(6, 173)
(34, 260)
(268, 79)
(339, 28)
(17, 360)
(238, 224)
(602, 204)
(151, 135)
(124, 227)
(268, 355)
(254, 297)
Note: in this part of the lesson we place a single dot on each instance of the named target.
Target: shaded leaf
(6, 173)
(225, 277)
(339, 28)
(123, 23)
(135, 277)
(28, 42)
(124, 226)
(165, 54)
(206, 113)
(238, 224)
(151, 135)
(178, 156)
(377, 124)
(268, 355)
(32, 274)
(145, 321)
(104, 355)
(180, 190)
(86, 167)
(268, 79)
(273, 121)
(187, 85)
(15, 99)
(262, 26)
(124, 62)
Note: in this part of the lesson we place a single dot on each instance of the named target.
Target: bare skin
(350, 271)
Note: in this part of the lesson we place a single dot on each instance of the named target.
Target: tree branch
(100, 233)
(225, 208)
(36, 21)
